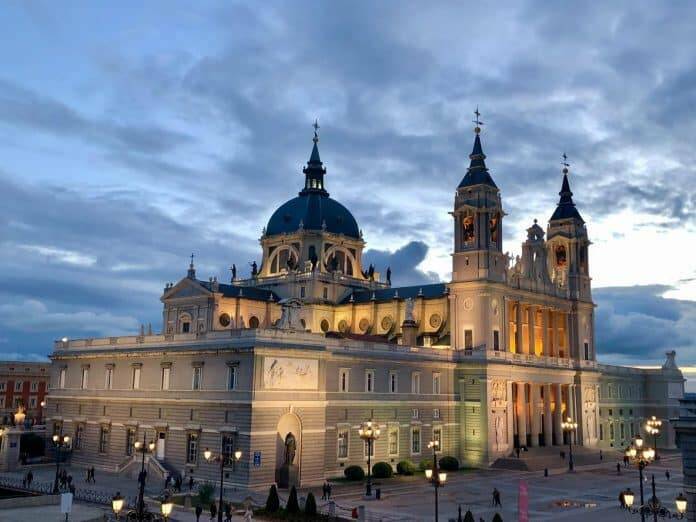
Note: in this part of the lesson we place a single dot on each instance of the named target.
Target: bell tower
(478, 221)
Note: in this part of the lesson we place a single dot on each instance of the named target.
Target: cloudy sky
(133, 134)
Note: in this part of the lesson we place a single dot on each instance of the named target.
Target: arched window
(253, 322)
(495, 227)
(561, 258)
(283, 259)
(337, 258)
(185, 323)
(468, 230)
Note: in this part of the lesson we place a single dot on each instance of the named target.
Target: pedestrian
(69, 480)
(667, 474)
(199, 511)
(167, 481)
(88, 472)
(496, 498)
(24, 481)
(191, 483)
(179, 480)
(323, 491)
(71, 488)
(228, 512)
(30, 478)
(329, 487)
(213, 511)
(91, 471)
(601, 455)
(618, 468)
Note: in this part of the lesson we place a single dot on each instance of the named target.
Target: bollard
(378, 493)
(546, 472)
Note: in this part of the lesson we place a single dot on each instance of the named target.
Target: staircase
(538, 459)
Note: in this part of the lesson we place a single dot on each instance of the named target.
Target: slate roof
(566, 207)
(477, 173)
(431, 291)
(248, 292)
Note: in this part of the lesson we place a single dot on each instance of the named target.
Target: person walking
(199, 512)
(30, 478)
(667, 474)
(91, 473)
(496, 498)
(323, 491)
(213, 511)
(228, 512)
(329, 487)
(618, 468)
(168, 481)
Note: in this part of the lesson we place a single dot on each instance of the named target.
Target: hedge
(405, 467)
(425, 464)
(449, 464)
(354, 473)
(382, 470)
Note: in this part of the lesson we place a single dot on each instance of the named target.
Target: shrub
(272, 502)
(469, 517)
(205, 493)
(497, 518)
(310, 507)
(354, 473)
(292, 505)
(405, 467)
(382, 470)
(449, 464)
(425, 464)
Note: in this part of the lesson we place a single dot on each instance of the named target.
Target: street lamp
(223, 458)
(434, 475)
(569, 426)
(41, 409)
(641, 456)
(166, 508)
(144, 448)
(653, 428)
(117, 502)
(369, 433)
(59, 442)
(654, 507)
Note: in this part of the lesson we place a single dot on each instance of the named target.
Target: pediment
(185, 289)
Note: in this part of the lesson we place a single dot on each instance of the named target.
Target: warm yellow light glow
(151, 446)
(639, 442)
(237, 455)
(66, 440)
(207, 454)
(681, 503)
(167, 507)
(137, 444)
(442, 477)
(55, 438)
(117, 503)
(428, 473)
(628, 498)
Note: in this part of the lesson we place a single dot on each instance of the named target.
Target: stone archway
(288, 450)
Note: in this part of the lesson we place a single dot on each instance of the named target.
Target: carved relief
(498, 391)
(435, 320)
(468, 304)
(500, 430)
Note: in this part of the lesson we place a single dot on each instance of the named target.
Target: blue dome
(313, 209)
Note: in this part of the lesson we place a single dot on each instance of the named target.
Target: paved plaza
(591, 491)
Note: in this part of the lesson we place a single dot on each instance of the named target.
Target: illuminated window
(415, 440)
(393, 440)
(192, 448)
(343, 443)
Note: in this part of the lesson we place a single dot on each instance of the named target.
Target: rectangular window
(130, 441)
(415, 413)
(185, 327)
(437, 437)
(79, 436)
(496, 340)
(228, 447)
(393, 440)
(85, 378)
(601, 432)
(371, 446)
(192, 448)
(18, 386)
(436, 413)
(343, 443)
(61, 378)
(436, 383)
(302, 292)
(630, 425)
(415, 440)
(343, 379)
(34, 386)
(369, 380)
(611, 431)
(232, 378)
(468, 339)
(587, 351)
(108, 378)
(166, 376)
(197, 378)
(2, 386)
(326, 293)
(32, 402)
(622, 430)
(2, 402)
(103, 439)
(415, 382)
(135, 381)
(393, 382)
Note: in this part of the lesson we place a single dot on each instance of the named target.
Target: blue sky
(133, 134)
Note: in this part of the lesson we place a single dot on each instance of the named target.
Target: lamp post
(117, 502)
(654, 507)
(59, 442)
(436, 478)
(642, 457)
(222, 458)
(369, 433)
(569, 426)
(144, 448)
(653, 428)
(42, 405)
(166, 508)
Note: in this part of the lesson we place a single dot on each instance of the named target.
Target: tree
(497, 518)
(272, 502)
(310, 508)
(469, 517)
(292, 505)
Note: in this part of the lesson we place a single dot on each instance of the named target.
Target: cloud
(404, 263)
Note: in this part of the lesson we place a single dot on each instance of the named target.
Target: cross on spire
(316, 128)
(565, 163)
(477, 120)
(192, 256)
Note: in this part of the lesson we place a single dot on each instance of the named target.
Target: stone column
(510, 407)
(566, 335)
(521, 414)
(545, 331)
(548, 420)
(535, 421)
(554, 332)
(519, 345)
(531, 323)
(558, 415)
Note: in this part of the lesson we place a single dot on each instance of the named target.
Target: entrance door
(161, 437)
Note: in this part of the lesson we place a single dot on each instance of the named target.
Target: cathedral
(314, 343)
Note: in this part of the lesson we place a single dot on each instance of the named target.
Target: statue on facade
(408, 311)
(290, 314)
(500, 442)
(389, 274)
(290, 449)
(233, 269)
(254, 269)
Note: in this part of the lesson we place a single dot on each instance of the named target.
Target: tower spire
(566, 207)
(191, 270)
(314, 171)
(477, 173)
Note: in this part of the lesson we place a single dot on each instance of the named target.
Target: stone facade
(314, 343)
(23, 385)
